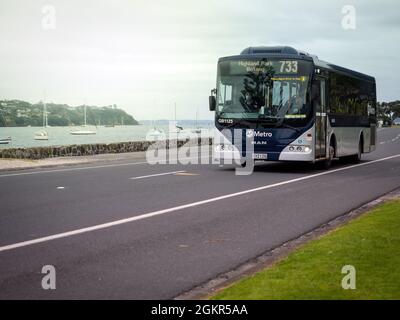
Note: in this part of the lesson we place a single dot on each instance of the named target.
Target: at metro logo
(262, 134)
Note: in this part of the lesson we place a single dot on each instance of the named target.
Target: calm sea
(24, 136)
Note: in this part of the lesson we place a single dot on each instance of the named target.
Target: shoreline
(47, 157)
(25, 164)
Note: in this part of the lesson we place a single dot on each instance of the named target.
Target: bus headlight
(305, 149)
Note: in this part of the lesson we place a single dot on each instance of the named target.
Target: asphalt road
(181, 228)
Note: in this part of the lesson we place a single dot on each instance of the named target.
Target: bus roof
(290, 52)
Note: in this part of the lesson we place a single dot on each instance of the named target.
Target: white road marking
(70, 169)
(60, 188)
(181, 207)
(156, 175)
(186, 174)
(92, 167)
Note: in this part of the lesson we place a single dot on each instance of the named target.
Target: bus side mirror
(212, 103)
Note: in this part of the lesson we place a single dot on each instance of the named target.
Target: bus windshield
(268, 91)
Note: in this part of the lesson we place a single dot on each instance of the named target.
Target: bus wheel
(326, 164)
(245, 163)
(357, 157)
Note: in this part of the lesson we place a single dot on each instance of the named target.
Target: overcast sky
(146, 55)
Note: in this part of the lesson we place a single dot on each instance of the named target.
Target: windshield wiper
(289, 126)
(279, 122)
(269, 119)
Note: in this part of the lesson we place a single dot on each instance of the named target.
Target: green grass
(371, 243)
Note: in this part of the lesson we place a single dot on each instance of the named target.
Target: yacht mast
(84, 110)
(175, 112)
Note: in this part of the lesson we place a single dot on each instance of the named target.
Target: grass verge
(370, 243)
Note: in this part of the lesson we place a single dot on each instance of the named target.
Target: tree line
(388, 111)
(21, 114)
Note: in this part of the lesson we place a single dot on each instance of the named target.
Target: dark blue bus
(295, 106)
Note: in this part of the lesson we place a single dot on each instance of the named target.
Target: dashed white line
(157, 175)
(91, 167)
(181, 207)
(70, 169)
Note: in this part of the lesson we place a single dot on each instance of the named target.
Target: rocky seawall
(36, 153)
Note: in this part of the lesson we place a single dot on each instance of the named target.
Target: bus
(295, 106)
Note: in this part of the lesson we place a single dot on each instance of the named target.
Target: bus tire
(357, 157)
(327, 163)
(247, 162)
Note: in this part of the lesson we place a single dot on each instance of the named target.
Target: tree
(388, 111)
(59, 114)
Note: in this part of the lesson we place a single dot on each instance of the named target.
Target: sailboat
(177, 129)
(155, 132)
(5, 140)
(42, 134)
(197, 128)
(83, 132)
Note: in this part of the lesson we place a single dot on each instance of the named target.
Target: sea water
(24, 136)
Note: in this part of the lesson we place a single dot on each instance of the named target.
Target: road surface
(130, 230)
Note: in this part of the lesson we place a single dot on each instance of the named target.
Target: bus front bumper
(231, 155)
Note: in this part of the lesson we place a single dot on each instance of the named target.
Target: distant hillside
(16, 113)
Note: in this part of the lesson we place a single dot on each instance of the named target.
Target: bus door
(320, 118)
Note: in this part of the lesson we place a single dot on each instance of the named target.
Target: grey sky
(145, 55)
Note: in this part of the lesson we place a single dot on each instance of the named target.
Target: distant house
(396, 121)
(21, 113)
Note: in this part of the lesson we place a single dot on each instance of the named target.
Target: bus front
(265, 97)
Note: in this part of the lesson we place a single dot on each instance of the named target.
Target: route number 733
(289, 66)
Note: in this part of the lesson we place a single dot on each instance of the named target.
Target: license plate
(260, 156)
